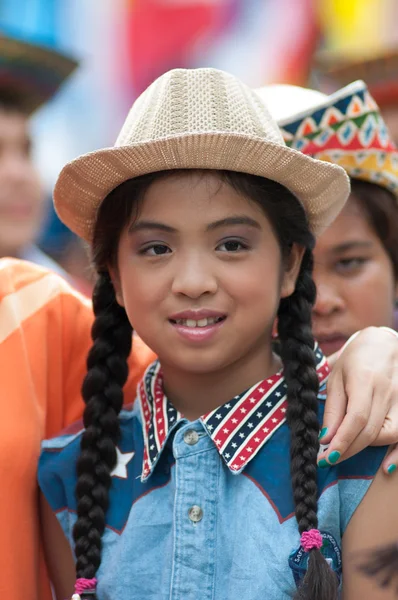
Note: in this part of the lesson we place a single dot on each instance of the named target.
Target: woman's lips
(331, 343)
(197, 333)
(17, 211)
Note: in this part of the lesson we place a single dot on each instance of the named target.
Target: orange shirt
(44, 338)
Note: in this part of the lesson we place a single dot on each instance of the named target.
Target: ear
(291, 270)
(115, 278)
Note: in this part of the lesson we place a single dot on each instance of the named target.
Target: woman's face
(200, 274)
(355, 281)
(22, 202)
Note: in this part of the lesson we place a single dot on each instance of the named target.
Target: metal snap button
(191, 437)
(195, 513)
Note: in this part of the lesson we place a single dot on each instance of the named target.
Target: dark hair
(381, 210)
(107, 371)
(13, 100)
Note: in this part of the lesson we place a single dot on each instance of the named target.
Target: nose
(328, 299)
(194, 276)
(18, 168)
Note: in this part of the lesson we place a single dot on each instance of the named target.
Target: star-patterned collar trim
(239, 428)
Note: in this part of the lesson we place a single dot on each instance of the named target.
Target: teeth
(200, 323)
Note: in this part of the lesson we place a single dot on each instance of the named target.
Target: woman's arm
(362, 400)
(373, 525)
(58, 554)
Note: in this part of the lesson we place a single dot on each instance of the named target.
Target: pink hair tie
(84, 585)
(311, 539)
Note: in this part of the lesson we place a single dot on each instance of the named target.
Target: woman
(356, 258)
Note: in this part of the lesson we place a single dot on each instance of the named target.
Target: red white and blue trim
(238, 428)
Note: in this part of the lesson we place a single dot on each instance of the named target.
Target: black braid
(297, 353)
(107, 372)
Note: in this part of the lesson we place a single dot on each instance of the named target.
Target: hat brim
(372, 165)
(33, 73)
(84, 183)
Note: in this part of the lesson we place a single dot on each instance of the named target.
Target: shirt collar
(239, 428)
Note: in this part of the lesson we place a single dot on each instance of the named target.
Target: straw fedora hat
(198, 119)
(345, 128)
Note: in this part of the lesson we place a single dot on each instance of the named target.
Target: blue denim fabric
(240, 548)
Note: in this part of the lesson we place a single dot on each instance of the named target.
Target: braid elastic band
(84, 585)
(311, 539)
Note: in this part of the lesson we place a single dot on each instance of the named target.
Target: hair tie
(311, 539)
(84, 585)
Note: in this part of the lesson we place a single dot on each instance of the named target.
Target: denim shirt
(185, 520)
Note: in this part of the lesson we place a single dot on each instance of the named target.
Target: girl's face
(200, 274)
(354, 277)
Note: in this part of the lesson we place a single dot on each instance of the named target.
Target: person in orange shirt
(44, 338)
(45, 334)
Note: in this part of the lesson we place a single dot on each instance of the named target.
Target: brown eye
(155, 250)
(350, 265)
(232, 246)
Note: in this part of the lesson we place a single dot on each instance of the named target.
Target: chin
(17, 237)
(198, 363)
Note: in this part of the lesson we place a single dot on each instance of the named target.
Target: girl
(202, 225)
(356, 258)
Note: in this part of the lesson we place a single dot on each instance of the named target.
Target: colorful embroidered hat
(380, 73)
(198, 119)
(30, 74)
(345, 128)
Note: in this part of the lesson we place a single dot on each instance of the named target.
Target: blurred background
(122, 45)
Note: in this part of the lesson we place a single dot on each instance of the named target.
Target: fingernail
(391, 469)
(323, 432)
(323, 463)
(334, 457)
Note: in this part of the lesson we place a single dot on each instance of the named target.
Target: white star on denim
(123, 459)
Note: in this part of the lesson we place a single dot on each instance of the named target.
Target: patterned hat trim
(350, 107)
(347, 130)
(310, 130)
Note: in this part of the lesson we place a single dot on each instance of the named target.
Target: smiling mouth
(192, 323)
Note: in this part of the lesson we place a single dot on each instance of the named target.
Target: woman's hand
(362, 398)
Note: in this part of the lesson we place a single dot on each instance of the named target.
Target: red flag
(164, 34)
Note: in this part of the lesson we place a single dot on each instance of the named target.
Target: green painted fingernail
(334, 457)
(323, 432)
(391, 469)
(323, 464)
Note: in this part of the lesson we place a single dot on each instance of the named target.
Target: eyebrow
(234, 220)
(150, 225)
(354, 245)
(228, 221)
